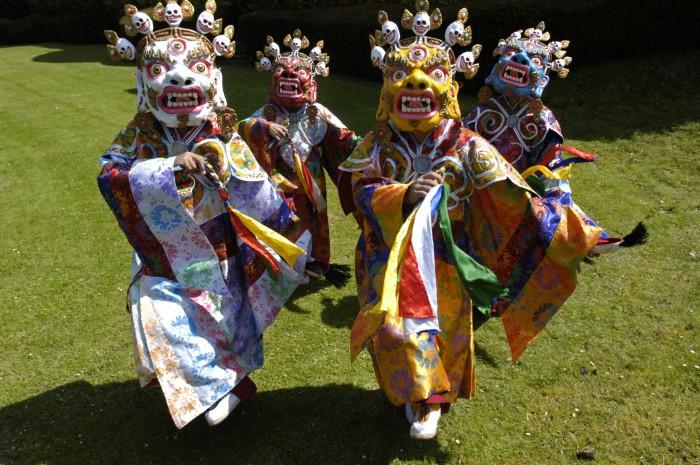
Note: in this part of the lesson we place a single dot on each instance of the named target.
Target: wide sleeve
(255, 131)
(509, 229)
(254, 194)
(113, 183)
(378, 199)
(337, 146)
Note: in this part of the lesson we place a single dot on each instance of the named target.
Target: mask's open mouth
(420, 29)
(176, 100)
(515, 74)
(416, 105)
(289, 88)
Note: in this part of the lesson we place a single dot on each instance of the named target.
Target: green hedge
(599, 29)
(73, 21)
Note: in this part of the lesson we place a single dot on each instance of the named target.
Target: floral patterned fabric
(201, 299)
(495, 218)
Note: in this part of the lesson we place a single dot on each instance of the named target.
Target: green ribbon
(536, 184)
(480, 282)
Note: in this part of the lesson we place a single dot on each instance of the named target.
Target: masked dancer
(512, 117)
(296, 139)
(210, 273)
(450, 228)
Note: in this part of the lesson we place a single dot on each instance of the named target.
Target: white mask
(178, 77)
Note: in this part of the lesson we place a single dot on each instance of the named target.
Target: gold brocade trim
(171, 33)
(227, 120)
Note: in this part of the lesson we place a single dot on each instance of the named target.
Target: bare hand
(277, 131)
(191, 163)
(421, 186)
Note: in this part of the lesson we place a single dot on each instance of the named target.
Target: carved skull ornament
(221, 44)
(454, 32)
(126, 49)
(205, 22)
(377, 56)
(173, 14)
(421, 23)
(142, 22)
(391, 32)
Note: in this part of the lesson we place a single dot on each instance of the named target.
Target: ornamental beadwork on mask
(525, 60)
(177, 77)
(293, 73)
(419, 87)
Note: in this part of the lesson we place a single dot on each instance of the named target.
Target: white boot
(426, 422)
(221, 410)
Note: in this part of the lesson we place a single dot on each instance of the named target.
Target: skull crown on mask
(177, 77)
(524, 62)
(293, 81)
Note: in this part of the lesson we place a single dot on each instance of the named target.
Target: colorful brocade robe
(532, 141)
(200, 298)
(421, 336)
(317, 140)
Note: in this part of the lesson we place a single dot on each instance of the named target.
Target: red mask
(293, 83)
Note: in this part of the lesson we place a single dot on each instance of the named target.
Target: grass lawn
(617, 370)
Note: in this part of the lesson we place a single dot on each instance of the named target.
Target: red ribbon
(552, 152)
(251, 241)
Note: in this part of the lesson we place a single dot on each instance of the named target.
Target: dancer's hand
(191, 163)
(421, 186)
(277, 131)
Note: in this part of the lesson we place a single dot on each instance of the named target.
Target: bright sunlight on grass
(617, 370)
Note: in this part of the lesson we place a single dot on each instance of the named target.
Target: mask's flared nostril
(174, 82)
(188, 82)
(409, 85)
(422, 86)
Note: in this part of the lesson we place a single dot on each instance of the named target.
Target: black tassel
(638, 236)
(338, 275)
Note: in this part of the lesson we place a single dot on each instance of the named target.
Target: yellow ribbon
(286, 249)
(388, 305)
(564, 173)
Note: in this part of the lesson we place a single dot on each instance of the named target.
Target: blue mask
(521, 71)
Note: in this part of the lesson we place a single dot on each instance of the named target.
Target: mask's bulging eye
(156, 69)
(537, 61)
(398, 75)
(438, 74)
(200, 67)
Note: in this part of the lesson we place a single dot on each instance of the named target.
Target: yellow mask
(419, 90)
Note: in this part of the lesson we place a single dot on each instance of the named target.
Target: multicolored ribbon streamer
(255, 234)
(480, 282)
(313, 192)
(569, 156)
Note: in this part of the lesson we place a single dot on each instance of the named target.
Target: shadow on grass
(611, 100)
(315, 285)
(78, 54)
(117, 423)
(484, 356)
(339, 313)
